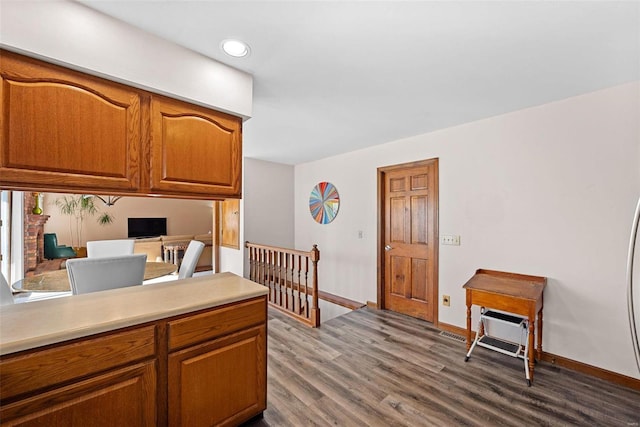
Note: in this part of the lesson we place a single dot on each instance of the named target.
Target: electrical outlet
(450, 239)
(446, 300)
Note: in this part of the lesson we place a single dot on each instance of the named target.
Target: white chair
(97, 274)
(190, 259)
(109, 248)
(6, 296)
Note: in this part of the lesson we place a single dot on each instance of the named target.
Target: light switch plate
(450, 239)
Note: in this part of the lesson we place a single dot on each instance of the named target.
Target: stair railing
(292, 279)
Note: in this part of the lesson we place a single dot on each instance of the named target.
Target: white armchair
(97, 274)
(6, 296)
(190, 259)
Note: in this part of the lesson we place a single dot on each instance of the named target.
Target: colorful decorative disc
(324, 202)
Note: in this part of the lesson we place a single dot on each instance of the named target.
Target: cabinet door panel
(216, 323)
(47, 368)
(194, 150)
(63, 129)
(222, 382)
(126, 397)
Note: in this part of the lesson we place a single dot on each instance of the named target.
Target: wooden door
(194, 150)
(410, 200)
(230, 226)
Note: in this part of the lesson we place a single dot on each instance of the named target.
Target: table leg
(468, 327)
(167, 257)
(532, 329)
(539, 335)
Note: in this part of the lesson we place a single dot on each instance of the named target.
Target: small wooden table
(58, 280)
(511, 292)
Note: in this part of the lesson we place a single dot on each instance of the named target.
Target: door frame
(381, 231)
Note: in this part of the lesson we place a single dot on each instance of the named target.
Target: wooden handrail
(341, 301)
(291, 251)
(292, 278)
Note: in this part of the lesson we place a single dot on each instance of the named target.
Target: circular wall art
(324, 202)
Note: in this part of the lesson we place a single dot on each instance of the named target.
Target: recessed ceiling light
(235, 48)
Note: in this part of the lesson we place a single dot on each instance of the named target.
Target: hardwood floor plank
(331, 382)
(412, 353)
(291, 409)
(431, 401)
(334, 413)
(412, 416)
(297, 385)
(379, 368)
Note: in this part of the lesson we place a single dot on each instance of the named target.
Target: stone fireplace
(33, 236)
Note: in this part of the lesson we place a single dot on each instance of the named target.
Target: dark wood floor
(378, 368)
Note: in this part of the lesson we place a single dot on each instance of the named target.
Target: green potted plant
(78, 208)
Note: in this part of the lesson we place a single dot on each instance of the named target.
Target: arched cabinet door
(194, 150)
(63, 129)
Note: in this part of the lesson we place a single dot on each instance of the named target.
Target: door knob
(387, 248)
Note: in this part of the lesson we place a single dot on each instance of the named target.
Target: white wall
(183, 217)
(266, 211)
(546, 191)
(268, 196)
(79, 37)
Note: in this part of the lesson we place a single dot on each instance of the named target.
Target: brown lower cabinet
(200, 369)
(233, 397)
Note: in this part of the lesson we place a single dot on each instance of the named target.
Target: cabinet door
(221, 382)
(194, 150)
(125, 397)
(66, 130)
(230, 227)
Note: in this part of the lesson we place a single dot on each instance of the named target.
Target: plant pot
(81, 252)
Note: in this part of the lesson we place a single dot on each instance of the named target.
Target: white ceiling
(336, 76)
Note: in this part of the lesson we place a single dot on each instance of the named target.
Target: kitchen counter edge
(39, 323)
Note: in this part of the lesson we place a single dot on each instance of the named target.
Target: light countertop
(38, 323)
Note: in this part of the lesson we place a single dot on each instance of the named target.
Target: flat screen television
(147, 227)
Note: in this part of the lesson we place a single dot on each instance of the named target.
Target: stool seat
(484, 339)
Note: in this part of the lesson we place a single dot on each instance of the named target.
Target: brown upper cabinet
(194, 149)
(68, 131)
(65, 129)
